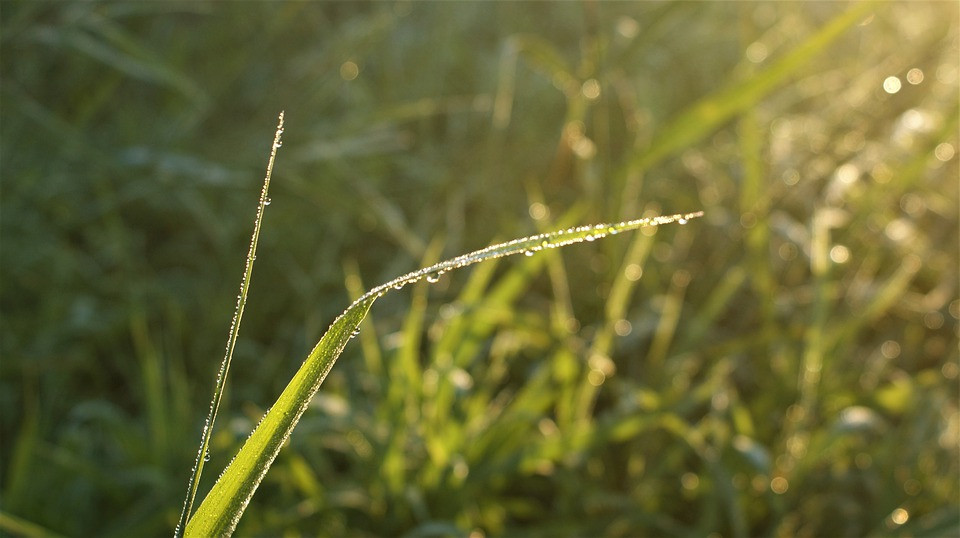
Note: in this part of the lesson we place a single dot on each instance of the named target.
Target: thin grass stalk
(202, 457)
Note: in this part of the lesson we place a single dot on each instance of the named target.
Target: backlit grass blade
(220, 511)
(194, 480)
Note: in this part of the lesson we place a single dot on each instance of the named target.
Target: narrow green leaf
(704, 116)
(194, 480)
(21, 527)
(220, 511)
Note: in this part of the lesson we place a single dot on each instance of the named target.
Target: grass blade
(194, 480)
(704, 116)
(220, 511)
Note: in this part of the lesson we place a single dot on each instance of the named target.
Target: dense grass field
(785, 366)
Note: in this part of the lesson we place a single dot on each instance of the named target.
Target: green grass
(788, 366)
(223, 506)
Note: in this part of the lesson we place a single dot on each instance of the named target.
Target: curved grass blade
(194, 480)
(220, 511)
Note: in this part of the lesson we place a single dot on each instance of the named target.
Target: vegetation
(787, 366)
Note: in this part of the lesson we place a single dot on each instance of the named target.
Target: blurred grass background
(787, 365)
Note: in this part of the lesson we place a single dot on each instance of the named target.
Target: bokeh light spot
(891, 85)
(912, 487)
(791, 176)
(915, 76)
(538, 211)
(585, 148)
(690, 481)
(944, 152)
(947, 73)
(899, 516)
(899, 230)
(349, 70)
(596, 378)
(912, 204)
(839, 254)
(881, 173)
(916, 120)
(933, 320)
(757, 52)
(591, 89)
(628, 27)
(890, 349)
(787, 251)
(848, 173)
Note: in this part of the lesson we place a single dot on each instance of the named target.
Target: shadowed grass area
(788, 366)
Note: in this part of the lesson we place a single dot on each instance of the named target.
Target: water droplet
(590, 237)
(681, 221)
(266, 201)
(528, 253)
(206, 456)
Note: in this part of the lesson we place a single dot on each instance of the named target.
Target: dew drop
(681, 221)
(206, 456)
(528, 253)
(266, 201)
(590, 237)
(433, 277)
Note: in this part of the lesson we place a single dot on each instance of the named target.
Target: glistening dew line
(529, 246)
